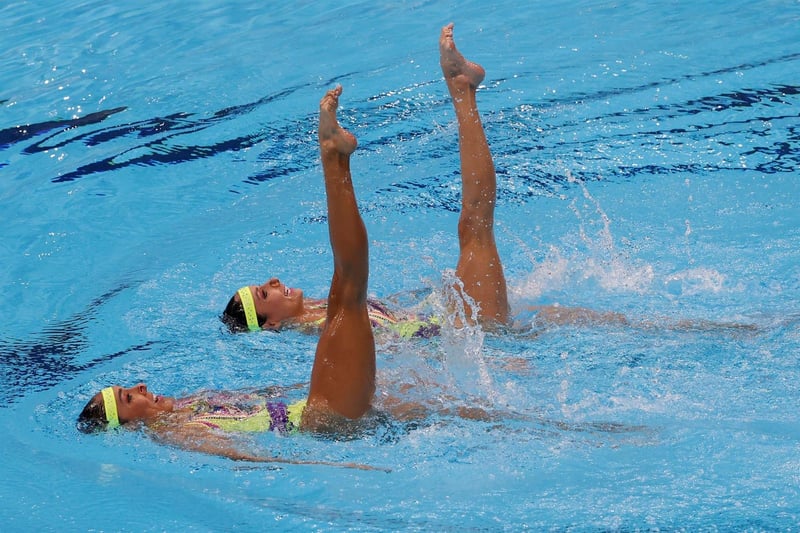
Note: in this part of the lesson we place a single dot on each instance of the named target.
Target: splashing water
(593, 258)
(462, 340)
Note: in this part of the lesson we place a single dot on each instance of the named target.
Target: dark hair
(93, 417)
(233, 316)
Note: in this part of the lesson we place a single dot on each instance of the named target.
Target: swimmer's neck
(314, 309)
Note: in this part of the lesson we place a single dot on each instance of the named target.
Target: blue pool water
(155, 157)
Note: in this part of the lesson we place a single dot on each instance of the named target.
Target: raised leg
(479, 267)
(343, 375)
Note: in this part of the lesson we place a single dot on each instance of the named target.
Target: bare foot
(332, 137)
(456, 69)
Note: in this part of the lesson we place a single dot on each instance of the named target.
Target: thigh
(481, 271)
(343, 377)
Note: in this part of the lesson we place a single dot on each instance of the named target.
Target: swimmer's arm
(687, 324)
(204, 441)
(581, 316)
(564, 316)
(408, 411)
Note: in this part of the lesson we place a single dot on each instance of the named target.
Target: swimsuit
(244, 413)
(408, 327)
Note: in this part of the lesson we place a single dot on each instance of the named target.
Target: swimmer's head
(240, 313)
(115, 406)
(266, 306)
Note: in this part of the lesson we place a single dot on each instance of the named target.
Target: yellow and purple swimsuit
(243, 413)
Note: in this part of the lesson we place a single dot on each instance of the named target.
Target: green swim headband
(249, 308)
(110, 403)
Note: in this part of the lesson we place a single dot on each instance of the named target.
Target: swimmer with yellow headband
(271, 305)
(185, 424)
(479, 268)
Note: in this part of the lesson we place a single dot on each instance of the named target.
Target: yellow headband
(110, 403)
(249, 308)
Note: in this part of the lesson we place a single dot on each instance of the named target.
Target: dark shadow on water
(18, 134)
(53, 355)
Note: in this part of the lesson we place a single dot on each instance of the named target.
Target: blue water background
(156, 156)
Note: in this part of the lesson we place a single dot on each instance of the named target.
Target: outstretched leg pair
(343, 375)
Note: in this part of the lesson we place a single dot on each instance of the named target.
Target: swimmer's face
(276, 302)
(137, 403)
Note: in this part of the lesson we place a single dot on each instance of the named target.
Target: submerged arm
(575, 316)
(203, 440)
